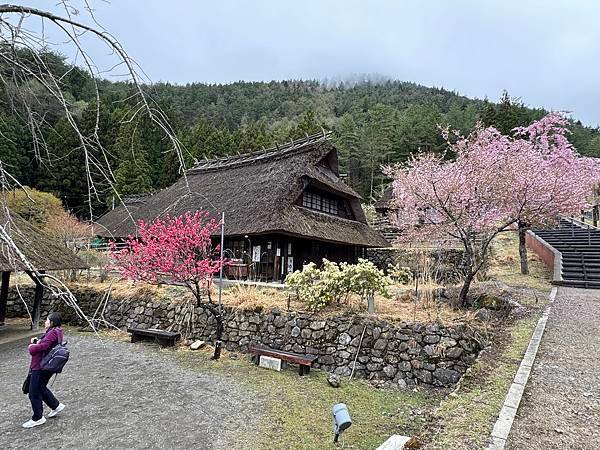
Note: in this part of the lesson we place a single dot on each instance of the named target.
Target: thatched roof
(385, 202)
(42, 251)
(258, 192)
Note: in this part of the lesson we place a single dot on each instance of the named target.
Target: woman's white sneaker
(34, 423)
(58, 409)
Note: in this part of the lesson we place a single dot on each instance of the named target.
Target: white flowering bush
(335, 282)
(400, 274)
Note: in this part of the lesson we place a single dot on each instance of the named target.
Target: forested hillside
(374, 123)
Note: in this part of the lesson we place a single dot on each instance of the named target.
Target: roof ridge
(277, 150)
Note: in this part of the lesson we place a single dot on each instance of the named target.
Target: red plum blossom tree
(175, 249)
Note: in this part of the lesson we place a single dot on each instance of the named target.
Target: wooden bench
(304, 362)
(164, 338)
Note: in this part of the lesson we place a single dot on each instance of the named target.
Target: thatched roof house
(41, 251)
(384, 203)
(384, 208)
(288, 203)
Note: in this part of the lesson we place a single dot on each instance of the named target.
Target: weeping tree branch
(34, 92)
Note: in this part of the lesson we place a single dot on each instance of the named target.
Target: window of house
(234, 249)
(319, 202)
(311, 200)
(329, 205)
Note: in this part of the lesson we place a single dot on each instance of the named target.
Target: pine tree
(418, 131)
(347, 138)
(378, 142)
(65, 172)
(134, 174)
(14, 143)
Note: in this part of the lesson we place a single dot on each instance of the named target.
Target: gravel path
(561, 405)
(122, 395)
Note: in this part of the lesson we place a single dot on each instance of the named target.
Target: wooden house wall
(281, 254)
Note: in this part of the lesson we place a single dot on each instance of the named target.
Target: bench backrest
(161, 333)
(288, 356)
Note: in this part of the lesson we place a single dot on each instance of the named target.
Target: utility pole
(218, 342)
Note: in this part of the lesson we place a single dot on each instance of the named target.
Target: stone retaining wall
(405, 353)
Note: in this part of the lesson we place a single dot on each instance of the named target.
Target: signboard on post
(256, 253)
(290, 264)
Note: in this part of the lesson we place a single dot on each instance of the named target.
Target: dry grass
(402, 305)
(505, 265)
(405, 304)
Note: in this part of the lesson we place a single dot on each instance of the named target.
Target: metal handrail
(583, 223)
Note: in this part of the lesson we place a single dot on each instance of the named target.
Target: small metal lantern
(341, 420)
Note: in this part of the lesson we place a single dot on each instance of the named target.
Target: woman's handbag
(26, 383)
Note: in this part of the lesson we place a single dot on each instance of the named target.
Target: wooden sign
(256, 253)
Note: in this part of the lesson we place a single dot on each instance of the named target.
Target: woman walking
(38, 390)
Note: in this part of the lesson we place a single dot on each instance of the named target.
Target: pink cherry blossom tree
(548, 178)
(175, 249)
(495, 183)
(453, 201)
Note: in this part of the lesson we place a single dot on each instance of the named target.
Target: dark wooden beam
(4, 296)
(37, 301)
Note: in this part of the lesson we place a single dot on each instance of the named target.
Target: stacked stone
(405, 354)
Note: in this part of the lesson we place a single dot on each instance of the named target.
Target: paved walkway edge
(515, 393)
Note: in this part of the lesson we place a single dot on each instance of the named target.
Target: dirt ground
(122, 395)
(561, 404)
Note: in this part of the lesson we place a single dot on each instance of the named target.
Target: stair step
(580, 276)
(581, 284)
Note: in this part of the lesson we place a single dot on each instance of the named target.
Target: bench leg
(134, 338)
(301, 369)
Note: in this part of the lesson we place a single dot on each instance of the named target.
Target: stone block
(431, 339)
(454, 352)
(390, 371)
(380, 344)
(446, 376)
(317, 325)
(344, 339)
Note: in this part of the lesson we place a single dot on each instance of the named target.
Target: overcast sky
(546, 52)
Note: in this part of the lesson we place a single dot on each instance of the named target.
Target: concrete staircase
(579, 246)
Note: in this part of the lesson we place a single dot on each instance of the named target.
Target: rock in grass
(197, 345)
(483, 314)
(334, 380)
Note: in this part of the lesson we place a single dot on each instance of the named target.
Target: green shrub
(400, 274)
(334, 282)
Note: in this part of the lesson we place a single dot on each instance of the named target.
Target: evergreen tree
(378, 148)
(64, 173)
(307, 125)
(419, 131)
(508, 114)
(14, 143)
(134, 174)
(347, 138)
